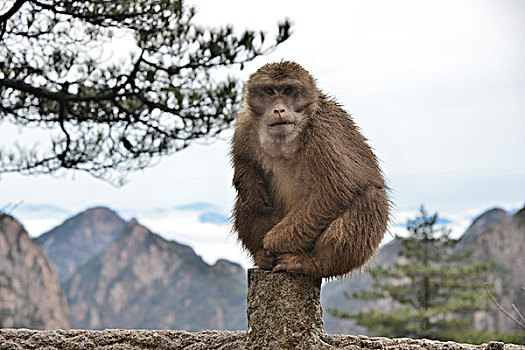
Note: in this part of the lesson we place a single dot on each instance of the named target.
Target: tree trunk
(284, 311)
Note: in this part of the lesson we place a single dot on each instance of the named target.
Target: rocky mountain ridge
(80, 238)
(143, 281)
(494, 236)
(503, 243)
(30, 295)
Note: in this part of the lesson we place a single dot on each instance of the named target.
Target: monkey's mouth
(282, 123)
(281, 128)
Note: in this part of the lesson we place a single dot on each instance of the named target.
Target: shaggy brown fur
(310, 195)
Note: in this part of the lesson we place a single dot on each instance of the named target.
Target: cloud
(211, 240)
(513, 211)
(456, 219)
(195, 206)
(214, 218)
(37, 218)
(43, 209)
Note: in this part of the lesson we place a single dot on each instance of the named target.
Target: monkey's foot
(295, 264)
(264, 259)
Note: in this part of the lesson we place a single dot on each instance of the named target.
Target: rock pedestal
(284, 311)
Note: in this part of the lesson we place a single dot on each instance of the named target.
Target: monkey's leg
(347, 243)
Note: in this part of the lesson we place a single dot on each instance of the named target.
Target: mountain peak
(482, 222)
(519, 216)
(491, 215)
(80, 237)
(98, 210)
(140, 271)
(133, 222)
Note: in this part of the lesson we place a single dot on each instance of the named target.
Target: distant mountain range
(118, 274)
(143, 281)
(494, 236)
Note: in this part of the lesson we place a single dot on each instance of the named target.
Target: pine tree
(108, 116)
(433, 289)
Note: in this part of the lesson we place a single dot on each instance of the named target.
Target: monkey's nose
(278, 111)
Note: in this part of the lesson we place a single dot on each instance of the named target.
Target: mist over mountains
(118, 274)
(202, 225)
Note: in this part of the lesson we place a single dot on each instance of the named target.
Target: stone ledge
(113, 339)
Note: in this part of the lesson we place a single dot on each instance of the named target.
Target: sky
(438, 88)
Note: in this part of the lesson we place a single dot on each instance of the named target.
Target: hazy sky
(438, 87)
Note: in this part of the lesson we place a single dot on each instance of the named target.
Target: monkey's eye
(269, 91)
(287, 91)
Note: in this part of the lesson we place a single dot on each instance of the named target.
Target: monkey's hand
(298, 231)
(286, 238)
(264, 259)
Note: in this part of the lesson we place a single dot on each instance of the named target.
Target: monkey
(311, 197)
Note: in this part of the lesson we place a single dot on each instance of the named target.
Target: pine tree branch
(55, 96)
(518, 312)
(16, 6)
(505, 312)
(5, 16)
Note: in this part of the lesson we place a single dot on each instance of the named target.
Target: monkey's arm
(251, 228)
(338, 171)
(252, 189)
(253, 212)
(298, 231)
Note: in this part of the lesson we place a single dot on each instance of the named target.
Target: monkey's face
(279, 106)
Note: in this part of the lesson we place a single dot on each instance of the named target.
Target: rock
(284, 311)
(495, 345)
(30, 295)
(483, 222)
(115, 339)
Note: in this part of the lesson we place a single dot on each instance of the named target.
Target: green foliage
(109, 117)
(475, 336)
(433, 289)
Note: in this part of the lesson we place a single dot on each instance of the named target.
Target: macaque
(311, 198)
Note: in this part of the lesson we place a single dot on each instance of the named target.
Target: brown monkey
(310, 195)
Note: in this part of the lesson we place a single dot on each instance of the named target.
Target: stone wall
(113, 339)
